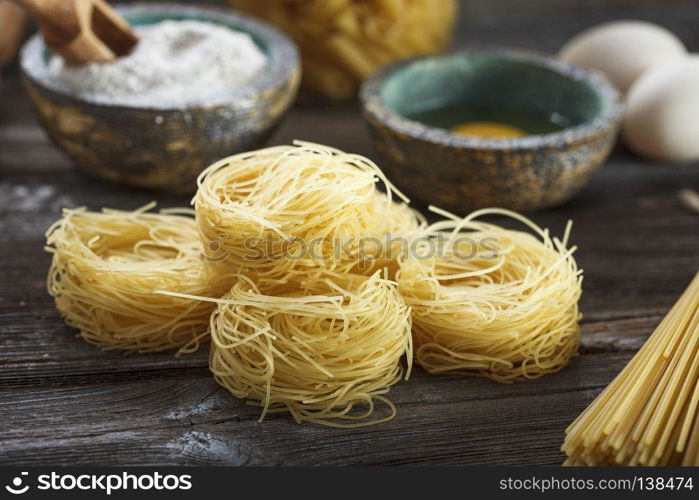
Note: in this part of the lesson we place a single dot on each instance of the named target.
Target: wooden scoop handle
(82, 30)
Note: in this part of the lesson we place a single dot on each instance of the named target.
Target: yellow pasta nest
(491, 301)
(325, 350)
(281, 211)
(313, 285)
(106, 267)
(344, 41)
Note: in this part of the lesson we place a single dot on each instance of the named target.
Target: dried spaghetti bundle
(491, 301)
(283, 210)
(648, 414)
(106, 267)
(325, 350)
(344, 41)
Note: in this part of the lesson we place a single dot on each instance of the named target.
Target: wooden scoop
(82, 31)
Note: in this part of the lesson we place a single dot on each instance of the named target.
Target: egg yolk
(490, 130)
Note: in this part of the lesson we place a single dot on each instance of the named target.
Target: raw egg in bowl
(491, 128)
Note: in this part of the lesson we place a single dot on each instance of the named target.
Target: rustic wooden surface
(65, 402)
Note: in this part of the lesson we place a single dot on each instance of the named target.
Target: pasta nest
(107, 265)
(491, 301)
(325, 350)
(282, 211)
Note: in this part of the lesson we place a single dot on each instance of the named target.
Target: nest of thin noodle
(491, 301)
(326, 350)
(283, 211)
(107, 265)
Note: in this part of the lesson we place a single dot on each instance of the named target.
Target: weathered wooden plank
(188, 419)
(36, 344)
(45, 351)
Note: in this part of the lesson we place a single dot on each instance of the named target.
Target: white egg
(662, 112)
(623, 50)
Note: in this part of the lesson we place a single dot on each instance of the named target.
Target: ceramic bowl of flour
(178, 103)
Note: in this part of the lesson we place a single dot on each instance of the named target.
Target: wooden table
(65, 402)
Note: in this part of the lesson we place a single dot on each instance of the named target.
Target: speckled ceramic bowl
(462, 173)
(165, 148)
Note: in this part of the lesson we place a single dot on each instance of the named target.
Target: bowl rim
(282, 56)
(609, 117)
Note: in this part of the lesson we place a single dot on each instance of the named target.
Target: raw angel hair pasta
(648, 414)
(325, 350)
(106, 266)
(313, 285)
(491, 301)
(281, 211)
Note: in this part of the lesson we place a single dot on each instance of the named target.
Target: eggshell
(662, 112)
(623, 50)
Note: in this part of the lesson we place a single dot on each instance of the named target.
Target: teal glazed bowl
(159, 147)
(411, 106)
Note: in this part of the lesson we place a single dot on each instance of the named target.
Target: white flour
(175, 64)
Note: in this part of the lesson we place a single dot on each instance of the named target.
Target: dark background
(63, 402)
(547, 24)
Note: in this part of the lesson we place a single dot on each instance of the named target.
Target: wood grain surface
(65, 402)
